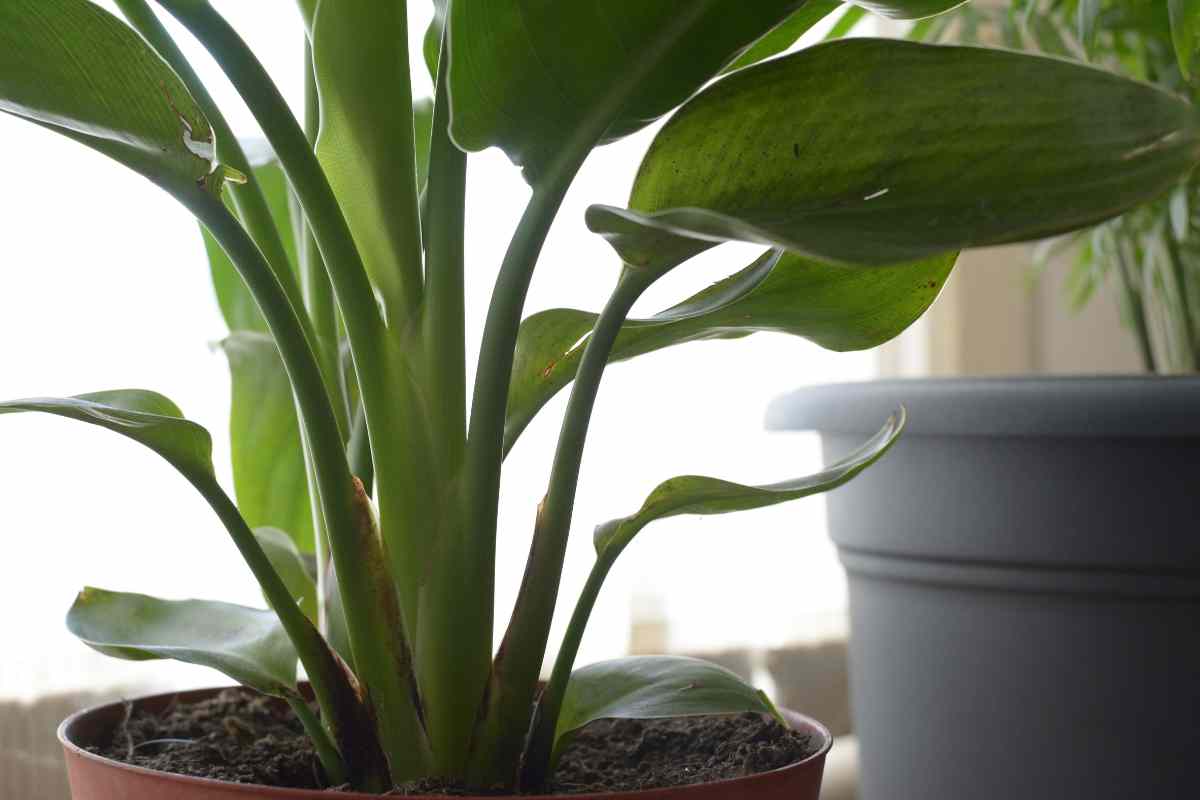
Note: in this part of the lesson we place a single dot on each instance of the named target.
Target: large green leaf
(530, 75)
(73, 67)
(247, 644)
(652, 687)
(1185, 31)
(972, 147)
(237, 305)
(146, 417)
(839, 308)
(294, 568)
(694, 494)
(269, 475)
(365, 144)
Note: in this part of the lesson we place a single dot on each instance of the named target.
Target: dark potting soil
(246, 738)
(628, 754)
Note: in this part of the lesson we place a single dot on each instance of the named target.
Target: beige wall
(993, 319)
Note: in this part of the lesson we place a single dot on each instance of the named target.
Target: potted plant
(1026, 557)
(860, 166)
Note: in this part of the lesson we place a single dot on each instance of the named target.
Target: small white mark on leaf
(878, 194)
(1157, 144)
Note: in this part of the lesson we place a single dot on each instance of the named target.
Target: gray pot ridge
(1024, 573)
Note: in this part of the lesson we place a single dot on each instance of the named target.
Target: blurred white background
(105, 286)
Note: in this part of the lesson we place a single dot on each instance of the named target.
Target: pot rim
(1066, 406)
(253, 790)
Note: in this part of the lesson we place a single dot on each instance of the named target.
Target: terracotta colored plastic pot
(96, 778)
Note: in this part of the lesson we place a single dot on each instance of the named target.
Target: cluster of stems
(427, 696)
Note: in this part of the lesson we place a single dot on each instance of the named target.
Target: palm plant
(1152, 253)
(366, 483)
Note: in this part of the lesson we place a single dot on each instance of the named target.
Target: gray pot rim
(1131, 406)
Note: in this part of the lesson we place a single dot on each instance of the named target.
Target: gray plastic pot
(1024, 572)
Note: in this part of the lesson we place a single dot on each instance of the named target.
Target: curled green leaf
(247, 644)
(694, 494)
(689, 494)
(146, 417)
(653, 687)
(839, 308)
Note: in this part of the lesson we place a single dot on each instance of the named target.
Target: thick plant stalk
(314, 281)
(376, 634)
(545, 720)
(341, 707)
(333, 481)
(494, 374)
(485, 439)
(327, 754)
(248, 199)
(318, 300)
(443, 312)
(512, 686)
(452, 666)
(492, 761)
(386, 381)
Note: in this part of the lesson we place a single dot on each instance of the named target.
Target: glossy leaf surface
(973, 147)
(694, 494)
(361, 74)
(247, 644)
(146, 417)
(73, 67)
(649, 687)
(840, 308)
(269, 475)
(527, 75)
